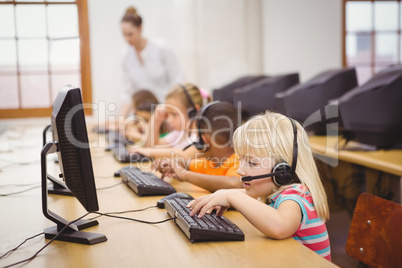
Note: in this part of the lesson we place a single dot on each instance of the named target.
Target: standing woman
(147, 63)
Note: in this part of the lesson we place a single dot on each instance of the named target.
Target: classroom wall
(219, 40)
(302, 36)
(216, 41)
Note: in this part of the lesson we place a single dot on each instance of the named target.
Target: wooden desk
(374, 162)
(389, 161)
(129, 244)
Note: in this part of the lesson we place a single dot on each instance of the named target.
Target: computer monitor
(310, 98)
(72, 147)
(372, 113)
(260, 96)
(225, 93)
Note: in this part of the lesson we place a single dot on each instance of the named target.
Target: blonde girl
(296, 210)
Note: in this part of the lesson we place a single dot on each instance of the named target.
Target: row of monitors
(370, 113)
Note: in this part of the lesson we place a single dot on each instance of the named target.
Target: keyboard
(115, 139)
(145, 183)
(208, 228)
(121, 153)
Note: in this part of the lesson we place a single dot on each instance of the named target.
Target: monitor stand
(58, 187)
(72, 232)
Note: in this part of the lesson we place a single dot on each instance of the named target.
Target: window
(372, 36)
(44, 46)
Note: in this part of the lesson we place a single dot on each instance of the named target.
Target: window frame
(86, 84)
(372, 61)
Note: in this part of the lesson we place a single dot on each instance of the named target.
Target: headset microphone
(200, 147)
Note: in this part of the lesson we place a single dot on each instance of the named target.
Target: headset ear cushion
(285, 177)
(191, 113)
(201, 147)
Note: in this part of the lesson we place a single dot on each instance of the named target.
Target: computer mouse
(161, 202)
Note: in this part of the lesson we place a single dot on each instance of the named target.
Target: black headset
(192, 111)
(282, 173)
(199, 144)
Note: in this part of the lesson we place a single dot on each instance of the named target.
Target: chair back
(375, 234)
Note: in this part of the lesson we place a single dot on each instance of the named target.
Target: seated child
(298, 208)
(143, 101)
(216, 123)
(179, 110)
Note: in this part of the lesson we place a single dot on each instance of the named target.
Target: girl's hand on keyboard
(207, 203)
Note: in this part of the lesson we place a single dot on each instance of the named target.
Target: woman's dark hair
(132, 16)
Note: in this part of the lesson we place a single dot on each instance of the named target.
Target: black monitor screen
(70, 134)
(372, 113)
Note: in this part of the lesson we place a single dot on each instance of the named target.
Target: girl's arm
(186, 155)
(276, 223)
(211, 183)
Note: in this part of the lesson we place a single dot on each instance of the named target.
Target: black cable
(14, 249)
(108, 187)
(136, 220)
(123, 212)
(57, 235)
(23, 191)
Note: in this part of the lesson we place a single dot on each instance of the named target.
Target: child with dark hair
(216, 123)
(181, 105)
(143, 101)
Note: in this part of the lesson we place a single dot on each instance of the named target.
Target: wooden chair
(375, 234)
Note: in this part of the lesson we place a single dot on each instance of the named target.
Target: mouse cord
(111, 186)
(132, 219)
(122, 212)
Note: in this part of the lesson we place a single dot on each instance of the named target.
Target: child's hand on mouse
(207, 203)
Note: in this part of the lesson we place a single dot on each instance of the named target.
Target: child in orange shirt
(216, 123)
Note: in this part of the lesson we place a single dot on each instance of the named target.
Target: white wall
(302, 36)
(216, 40)
(219, 40)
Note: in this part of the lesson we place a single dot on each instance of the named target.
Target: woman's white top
(158, 72)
